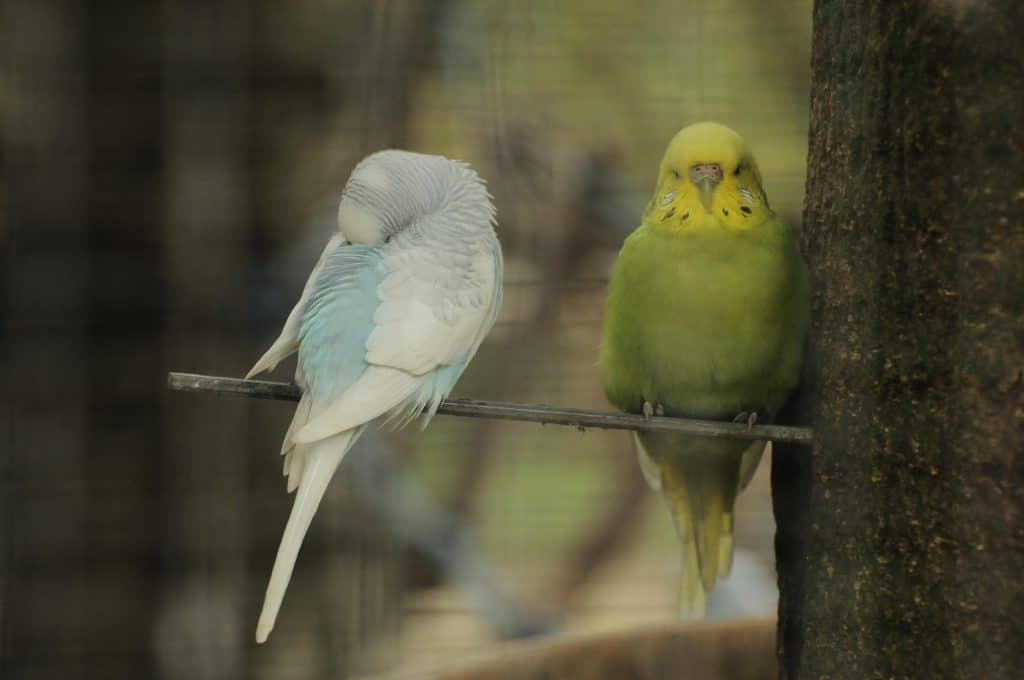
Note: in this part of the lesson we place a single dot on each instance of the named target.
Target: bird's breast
(708, 326)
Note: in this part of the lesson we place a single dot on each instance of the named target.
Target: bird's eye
(736, 172)
(675, 173)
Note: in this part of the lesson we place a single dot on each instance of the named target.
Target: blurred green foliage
(628, 80)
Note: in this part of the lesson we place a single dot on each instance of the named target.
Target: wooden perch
(535, 413)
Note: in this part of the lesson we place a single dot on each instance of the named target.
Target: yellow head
(708, 171)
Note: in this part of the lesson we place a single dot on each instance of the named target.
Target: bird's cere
(711, 172)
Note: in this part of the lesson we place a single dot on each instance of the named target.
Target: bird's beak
(706, 176)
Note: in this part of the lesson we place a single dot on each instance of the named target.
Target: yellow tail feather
(699, 480)
(692, 596)
(725, 546)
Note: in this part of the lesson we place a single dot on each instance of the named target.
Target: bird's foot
(748, 417)
(653, 410)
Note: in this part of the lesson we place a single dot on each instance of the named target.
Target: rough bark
(901, 543)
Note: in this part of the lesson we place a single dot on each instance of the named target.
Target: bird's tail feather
(701, 503)
(699, 484)
(692, 595)
(725, 545)
(321, 460)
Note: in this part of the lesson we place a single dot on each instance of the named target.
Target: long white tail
(321, 460)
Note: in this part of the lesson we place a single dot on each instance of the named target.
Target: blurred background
(170, 173)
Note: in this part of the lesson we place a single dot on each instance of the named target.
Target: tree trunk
(901, 543)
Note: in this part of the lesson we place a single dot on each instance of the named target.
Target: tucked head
(708, 170)
(391, 189)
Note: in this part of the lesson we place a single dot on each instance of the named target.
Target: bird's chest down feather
(708, 330)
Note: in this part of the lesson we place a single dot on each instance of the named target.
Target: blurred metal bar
(536, 413)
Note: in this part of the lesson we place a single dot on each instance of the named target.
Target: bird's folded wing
(378, 390)
(288, 342)
(379, 322)
(437, 303)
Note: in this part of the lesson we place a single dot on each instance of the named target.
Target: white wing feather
(376, 392)
(423, 322)
(432, 314)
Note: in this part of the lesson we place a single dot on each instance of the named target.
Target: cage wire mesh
(200, 150)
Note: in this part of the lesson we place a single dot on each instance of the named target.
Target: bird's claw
(653, 410)
(748, 417)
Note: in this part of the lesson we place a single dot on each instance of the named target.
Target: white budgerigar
(390, 317)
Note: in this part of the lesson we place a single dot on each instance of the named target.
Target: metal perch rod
(534, 413)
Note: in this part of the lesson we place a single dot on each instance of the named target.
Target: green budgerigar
(706, 315)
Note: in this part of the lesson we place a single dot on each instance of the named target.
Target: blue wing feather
(337, 321)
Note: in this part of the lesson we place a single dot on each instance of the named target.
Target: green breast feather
(707, 322)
